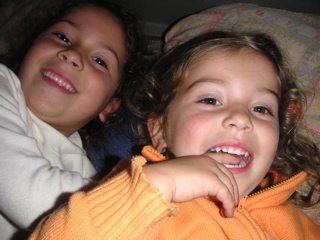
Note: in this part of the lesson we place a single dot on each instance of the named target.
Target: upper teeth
(60, 82)
(230, 150)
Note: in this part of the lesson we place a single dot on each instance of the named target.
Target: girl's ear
(112, 106)
(156, 130)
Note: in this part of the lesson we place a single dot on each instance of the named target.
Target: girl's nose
(238, 119)
(72, 57)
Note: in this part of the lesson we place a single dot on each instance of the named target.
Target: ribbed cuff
(128, 205)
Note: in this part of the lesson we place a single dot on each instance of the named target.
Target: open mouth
(244, 158)
(60, 82)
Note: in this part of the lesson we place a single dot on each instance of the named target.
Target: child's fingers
(226, 199)
(225, 196)
(226, 192)
(190, 177)
(232, 184)
(228, 179)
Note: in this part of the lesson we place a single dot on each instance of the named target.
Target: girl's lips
(239, 170)
(59, 80)
(235, 156)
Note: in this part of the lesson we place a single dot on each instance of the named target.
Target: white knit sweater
(37, 163)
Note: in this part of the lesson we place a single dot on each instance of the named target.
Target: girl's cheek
(196, 127)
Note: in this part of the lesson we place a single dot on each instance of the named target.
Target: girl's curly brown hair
(295, 151)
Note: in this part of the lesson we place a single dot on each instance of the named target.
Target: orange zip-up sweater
(127, 206)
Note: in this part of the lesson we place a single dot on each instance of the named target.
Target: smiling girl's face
(73, 69)
(227, 104)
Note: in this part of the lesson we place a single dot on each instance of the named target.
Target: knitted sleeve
(33, 180)
(127, 206)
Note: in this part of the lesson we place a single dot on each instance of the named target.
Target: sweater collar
(69, 150)
(274, 195)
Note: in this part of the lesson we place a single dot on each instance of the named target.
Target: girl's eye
(262, 110)
(62, 37)
(100, 62)
(210, 101)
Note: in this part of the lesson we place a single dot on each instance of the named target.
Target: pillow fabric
(297, 34)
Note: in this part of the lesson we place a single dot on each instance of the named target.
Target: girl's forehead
(222, 53)
(91, 13)
(227, 54)
(220, 63)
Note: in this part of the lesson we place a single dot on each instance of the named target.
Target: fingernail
(222, 213)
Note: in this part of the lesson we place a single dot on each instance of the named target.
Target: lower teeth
(241, 165)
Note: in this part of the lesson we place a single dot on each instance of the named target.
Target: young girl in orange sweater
(224, 109)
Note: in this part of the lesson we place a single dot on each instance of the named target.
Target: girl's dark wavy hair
(20, 35)
(295, 151)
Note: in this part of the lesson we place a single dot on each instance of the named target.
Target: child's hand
(190, 177)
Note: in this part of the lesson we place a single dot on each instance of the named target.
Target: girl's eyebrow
(206, 80)
(221, 82)
(67, 21)
(113, 53)
(274, 93)
(73, 24)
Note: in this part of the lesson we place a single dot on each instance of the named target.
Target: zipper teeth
(272, 186)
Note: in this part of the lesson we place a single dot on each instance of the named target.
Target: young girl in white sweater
(71, 65)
